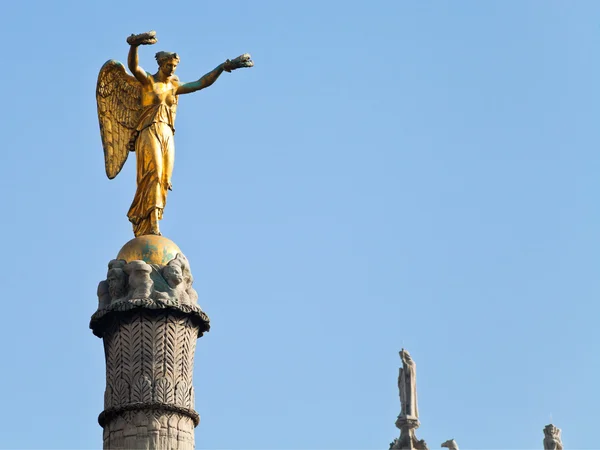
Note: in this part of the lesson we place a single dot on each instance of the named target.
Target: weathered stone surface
(407, 386)
(408, 440)
(145, 429)
(149, 320)
(137, 284)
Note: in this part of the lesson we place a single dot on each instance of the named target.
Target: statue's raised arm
(134, 41)
(137, 113)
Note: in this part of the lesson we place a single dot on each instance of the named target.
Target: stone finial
(552, 438)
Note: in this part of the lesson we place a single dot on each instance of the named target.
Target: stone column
(149, 320)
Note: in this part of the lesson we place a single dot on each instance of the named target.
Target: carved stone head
(177, 271)
(173, 273)
(139, 279)
(116, 279)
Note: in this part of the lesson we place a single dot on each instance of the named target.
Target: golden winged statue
(137, 113)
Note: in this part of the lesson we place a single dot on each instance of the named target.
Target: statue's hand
(147, 38)
(237, 63)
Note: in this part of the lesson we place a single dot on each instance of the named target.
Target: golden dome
(150, 248)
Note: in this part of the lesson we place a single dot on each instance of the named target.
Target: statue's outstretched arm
(208, 79)
(132, 63)
(204, 82)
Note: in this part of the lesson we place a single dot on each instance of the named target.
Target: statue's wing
(119, 107)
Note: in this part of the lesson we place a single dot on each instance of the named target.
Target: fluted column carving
(149, 320)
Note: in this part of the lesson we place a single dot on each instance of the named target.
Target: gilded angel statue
(137, 113)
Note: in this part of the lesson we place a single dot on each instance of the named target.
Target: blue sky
(390, 173)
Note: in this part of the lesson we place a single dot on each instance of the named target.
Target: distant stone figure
(552, 439)
(407, 385)
(450, 444)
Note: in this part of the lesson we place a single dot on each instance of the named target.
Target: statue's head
(173, 274)
(405, 355)
(167, 62)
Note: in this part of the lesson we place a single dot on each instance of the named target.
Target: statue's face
(174, 275)
(168, 67)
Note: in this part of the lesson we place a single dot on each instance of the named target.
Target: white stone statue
(552, 439)
(407, 385)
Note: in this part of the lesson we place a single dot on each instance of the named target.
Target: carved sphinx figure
(177, 272)
(139, 279)
(552, 438)
(116, 279)
(450, 444)
(178, 276)
(115, 285)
